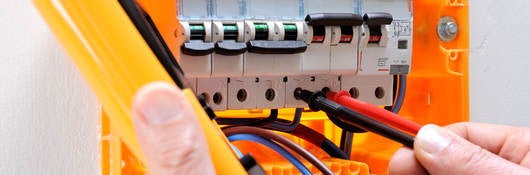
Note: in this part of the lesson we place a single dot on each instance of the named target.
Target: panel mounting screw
(447, 29)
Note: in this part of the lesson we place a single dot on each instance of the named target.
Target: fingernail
(161, 106)
(433, 139)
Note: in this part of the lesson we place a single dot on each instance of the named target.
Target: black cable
(273, 116)
(332, 150)
(346, 141)
(317, 102)
(343, 125)
(286, 126)
(270, 122)
(319, 140)
(301, 131)
(395, 86)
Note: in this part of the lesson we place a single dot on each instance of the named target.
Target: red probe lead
(370, 110)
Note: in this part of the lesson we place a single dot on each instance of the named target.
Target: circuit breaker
(253, 54)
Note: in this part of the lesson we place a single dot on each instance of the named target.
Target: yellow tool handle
(115, 60)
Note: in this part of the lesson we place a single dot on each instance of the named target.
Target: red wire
(370, 110)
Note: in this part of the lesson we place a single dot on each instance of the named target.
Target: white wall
(49, 121)
(49, 118)
(500, 61)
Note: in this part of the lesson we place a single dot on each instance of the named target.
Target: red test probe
(370, 110)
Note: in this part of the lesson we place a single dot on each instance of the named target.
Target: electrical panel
(250, 54)
(259, 54)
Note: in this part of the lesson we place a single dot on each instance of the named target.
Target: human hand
(465, 148)
(169, 132)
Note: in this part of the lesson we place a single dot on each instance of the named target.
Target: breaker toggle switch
(196, 37)
(346, 21)
(333, 45)
(319, 34)
(230, 39)
(346, 35)
(196, 51)
(276, 47)
(333, 19)
(377, 23)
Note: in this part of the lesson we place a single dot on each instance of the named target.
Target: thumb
(169, 133)
(441, 151)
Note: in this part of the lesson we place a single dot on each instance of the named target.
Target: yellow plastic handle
(116, 61)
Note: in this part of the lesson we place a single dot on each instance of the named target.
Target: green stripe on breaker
(196, 27)
(230, 31)
(290, 27)
(262, 31)
(291, 32)
(229, 27)
(261, 27)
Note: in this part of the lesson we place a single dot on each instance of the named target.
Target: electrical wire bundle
(270, 140)
(254, 130)
(352, 115)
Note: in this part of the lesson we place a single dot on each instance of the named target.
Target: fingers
(169, 133)
(443, 152)
(511, 143)
(404, 163)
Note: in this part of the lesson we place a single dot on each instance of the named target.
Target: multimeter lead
(370, 110)
(317, 102)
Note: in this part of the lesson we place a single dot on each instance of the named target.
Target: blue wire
(401, 93)
(239, 153)
(274, 146)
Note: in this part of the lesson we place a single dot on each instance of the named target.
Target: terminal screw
(447, 29)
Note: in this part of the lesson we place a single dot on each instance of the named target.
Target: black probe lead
(317, 101)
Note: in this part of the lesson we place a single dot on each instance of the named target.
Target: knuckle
(475, 157)
(180, 156)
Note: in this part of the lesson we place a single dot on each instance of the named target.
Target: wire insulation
(317, 102)
(400, 98)
(238, 153)
(334, 119)
(395, 88)
(320, 140)
(282, 140)
(346, 141)
(273, 116)
(374, 112)
(280, 150)
(287, 127)
(301, 131)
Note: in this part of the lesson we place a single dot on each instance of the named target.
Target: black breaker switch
(229, 46)
(276, 47)
(196, 46)
(375, 20)
(344, 20)
(334, 19)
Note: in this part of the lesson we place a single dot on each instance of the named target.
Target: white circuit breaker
(196, 51)
(230, 46)
(386, 42)
(253, 54)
